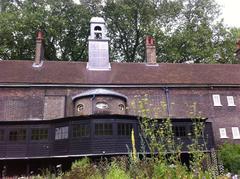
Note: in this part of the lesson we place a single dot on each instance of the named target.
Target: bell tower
(98, 48)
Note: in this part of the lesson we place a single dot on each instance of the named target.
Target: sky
(230, 12)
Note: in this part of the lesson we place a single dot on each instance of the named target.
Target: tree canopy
(185, 30)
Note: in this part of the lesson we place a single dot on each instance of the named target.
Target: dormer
(98, 46)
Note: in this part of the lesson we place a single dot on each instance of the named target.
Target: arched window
(98, 33)
(97, 28)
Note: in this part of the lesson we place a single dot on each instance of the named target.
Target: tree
(185, 30)
(129, 21)
(198, 37)
(65, 25)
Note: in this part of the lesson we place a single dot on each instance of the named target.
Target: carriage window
(1, 134)
(17, 135)
(103, 129)
(80, 130)
(124, 129)
(61, 133)
(39, 134)
(179, 131)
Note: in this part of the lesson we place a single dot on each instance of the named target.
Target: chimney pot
(150, 51)
(39, 35)
(238, 49)
(39, 51)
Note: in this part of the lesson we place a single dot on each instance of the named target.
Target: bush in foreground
(230, 156)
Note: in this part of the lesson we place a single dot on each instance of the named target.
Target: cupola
(98, 46)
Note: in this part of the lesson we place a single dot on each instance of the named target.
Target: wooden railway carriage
(81, 136)
(47, 143)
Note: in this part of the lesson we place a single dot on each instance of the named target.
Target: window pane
(39, 134)
(61, 133)
(81, 130)
(235, 133)
(216, 100)
(230, 101)
(103, 129)
(223, 133)
(17, 135)
(124, 129)
(179, 131)
(1, 134)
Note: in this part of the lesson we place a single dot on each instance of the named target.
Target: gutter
(29, 85)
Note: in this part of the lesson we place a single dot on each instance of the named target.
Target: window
(98, 35)
(61, 133)
(195, 131)
(80, 130)
(39, 134)
(124, 129)
(103, 129)
(216, 100)
(102, 105)
(235, 133)
(17, 135)
(121, 107)
(1, 134)
(230, 101)
(97, 28)
(79, 107)
(223, 133)
(179, 131)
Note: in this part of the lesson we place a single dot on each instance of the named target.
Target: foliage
(117, 171)
(185, 30)
(64, 23)
(230, 156)
(83, 169)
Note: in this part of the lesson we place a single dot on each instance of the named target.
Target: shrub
(83, 169)
(230, 156)
(116, 171)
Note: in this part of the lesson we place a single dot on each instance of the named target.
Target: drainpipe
(92, 98)
(166, 90)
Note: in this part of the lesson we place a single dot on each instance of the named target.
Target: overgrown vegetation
(230, 156)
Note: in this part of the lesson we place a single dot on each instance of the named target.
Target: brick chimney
(39, 51)
(238, 49)
(150, 51)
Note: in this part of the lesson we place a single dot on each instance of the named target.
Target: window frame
(17, 137)
(61, 133)
(235, 130)
(230, 101)
(40, 133)
(102, 131)
(124, 129)
(2, 135)
(178, 133)
(216, 100)
(224, 132)
(76, 133)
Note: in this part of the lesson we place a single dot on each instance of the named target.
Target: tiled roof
(62, 72)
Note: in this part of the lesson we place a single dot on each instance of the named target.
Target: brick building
(56, 111)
